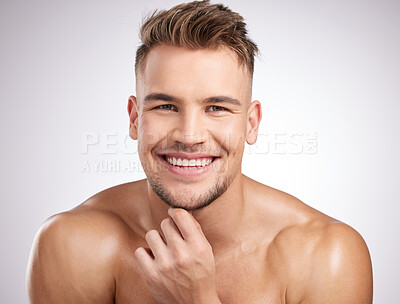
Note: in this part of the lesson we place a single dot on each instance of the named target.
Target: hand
(180, 269)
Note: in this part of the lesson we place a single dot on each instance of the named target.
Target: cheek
(231, 135)
(231, 138)
(154, 123)
(149, 133)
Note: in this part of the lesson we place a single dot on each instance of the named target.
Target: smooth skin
(253, 244)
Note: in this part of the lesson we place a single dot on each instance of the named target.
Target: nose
(190, 128)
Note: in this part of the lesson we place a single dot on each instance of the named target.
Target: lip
(188, 155)
(192, 172)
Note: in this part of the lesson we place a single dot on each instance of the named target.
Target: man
(196, 230)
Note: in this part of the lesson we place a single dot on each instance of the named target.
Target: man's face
(191, 121)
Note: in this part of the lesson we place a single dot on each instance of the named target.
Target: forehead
(193, 73)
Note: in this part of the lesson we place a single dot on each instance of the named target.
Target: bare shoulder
(324, 260)
(342, 266)
(76, 254)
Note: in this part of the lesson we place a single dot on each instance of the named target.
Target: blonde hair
(197, 24)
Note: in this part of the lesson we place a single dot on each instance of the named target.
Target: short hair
(194, 25)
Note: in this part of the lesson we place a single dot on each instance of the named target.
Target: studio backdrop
(327, 78)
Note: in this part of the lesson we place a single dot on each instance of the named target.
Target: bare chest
(241, 280)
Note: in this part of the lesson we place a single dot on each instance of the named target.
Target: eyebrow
(215, 99)
(159, 96)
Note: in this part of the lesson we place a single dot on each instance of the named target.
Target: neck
(222, 221)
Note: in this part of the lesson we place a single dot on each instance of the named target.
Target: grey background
(328, 68)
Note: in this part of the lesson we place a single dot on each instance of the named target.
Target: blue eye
(166, 107)
(217, 109)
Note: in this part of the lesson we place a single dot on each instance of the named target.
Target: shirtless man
(226, 238)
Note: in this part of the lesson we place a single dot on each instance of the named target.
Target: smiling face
(191, 118)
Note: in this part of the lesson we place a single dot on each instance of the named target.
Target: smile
(185, 166)
(199, 162)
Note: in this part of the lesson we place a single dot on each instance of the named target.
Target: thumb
(196, 223)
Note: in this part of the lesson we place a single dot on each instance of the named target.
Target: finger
(184, 222)
(156, 243)
(171, 232)
(198, 225)
(145, 260)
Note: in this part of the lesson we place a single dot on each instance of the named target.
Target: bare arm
(71, 262)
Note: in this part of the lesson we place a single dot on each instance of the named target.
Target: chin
(187, 198)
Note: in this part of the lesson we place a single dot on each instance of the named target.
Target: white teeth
(189, 162)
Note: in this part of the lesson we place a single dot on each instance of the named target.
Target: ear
(133, 112)
(253, 121)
